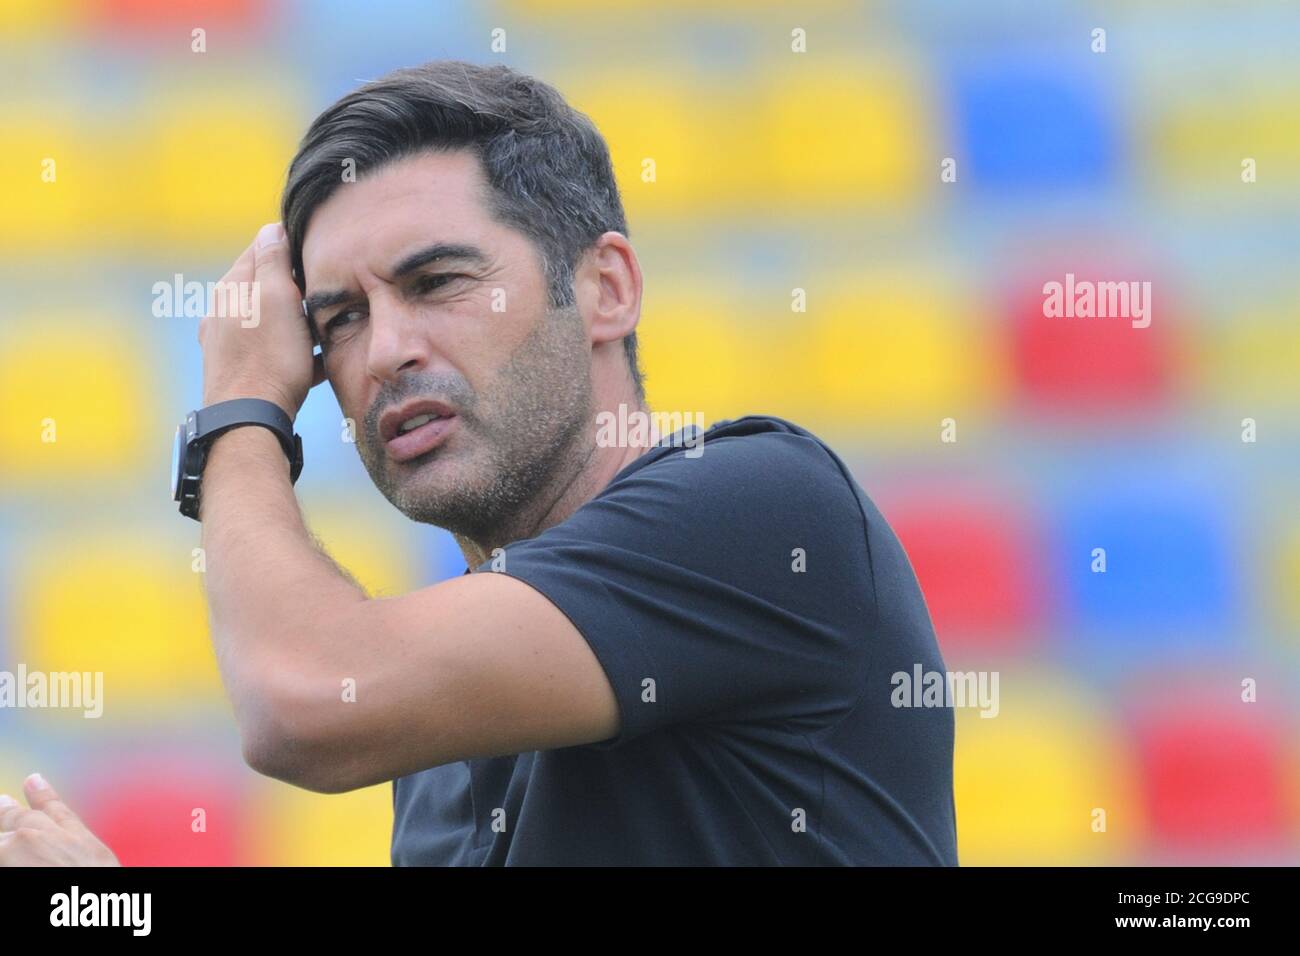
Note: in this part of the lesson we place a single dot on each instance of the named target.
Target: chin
(434, 495)
(426, 491)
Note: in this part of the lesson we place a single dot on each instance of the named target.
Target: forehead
(428, 197)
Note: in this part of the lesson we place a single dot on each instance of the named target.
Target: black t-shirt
(749, 605)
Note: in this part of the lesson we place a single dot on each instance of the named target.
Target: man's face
(425, 305)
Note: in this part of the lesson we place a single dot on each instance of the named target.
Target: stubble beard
(514, 450)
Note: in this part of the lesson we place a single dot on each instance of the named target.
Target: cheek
(347, 378)
(475, 343)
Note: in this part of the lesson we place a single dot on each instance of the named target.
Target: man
(668, 652)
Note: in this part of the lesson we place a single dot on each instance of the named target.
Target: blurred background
(805, 256)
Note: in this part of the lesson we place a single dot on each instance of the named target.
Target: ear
(607, 286)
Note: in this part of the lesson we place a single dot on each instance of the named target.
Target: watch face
(178, 461)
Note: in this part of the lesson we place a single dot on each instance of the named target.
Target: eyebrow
(439, 250)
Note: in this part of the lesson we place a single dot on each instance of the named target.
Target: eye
(341, 320)
(429, 283)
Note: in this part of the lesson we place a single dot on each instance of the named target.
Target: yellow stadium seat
(1028, 783)
(680, 147)
(119, 603)
(200, 171)
(294, 827)
(796, 134)
(1200, 141)
(697, 354)
(76, 406)
(367, 542)
(1249, 360)
(51, 176)
(210, 166)
(899, 352)
(1286, 585)
(838, 134)
(28, 20)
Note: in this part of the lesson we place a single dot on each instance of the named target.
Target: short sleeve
(727, 587)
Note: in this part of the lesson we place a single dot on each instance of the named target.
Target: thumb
(269, 244)
(274, 278)
(274, 290)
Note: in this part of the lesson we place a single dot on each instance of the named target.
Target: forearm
(276, 603)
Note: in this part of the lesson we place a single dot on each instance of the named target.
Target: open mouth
(411, 424)
(418, 436)
(415, 429)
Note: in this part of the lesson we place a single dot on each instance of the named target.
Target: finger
(13, 852)
(28, 847)
(273, 273)
(43, 797)
(242, 269)
(14, 815)
(235, 282)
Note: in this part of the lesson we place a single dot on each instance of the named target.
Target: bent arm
(333, 690)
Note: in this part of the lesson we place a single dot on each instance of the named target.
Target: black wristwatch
(201, 427)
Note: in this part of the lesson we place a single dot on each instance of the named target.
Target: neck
(591, 469)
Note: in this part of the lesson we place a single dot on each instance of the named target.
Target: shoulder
(757, 495)
(757, 460)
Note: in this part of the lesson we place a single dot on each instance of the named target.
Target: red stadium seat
(164, 16)
(1075, 364)
(1214, 779)
(148, 815)
(974, 560)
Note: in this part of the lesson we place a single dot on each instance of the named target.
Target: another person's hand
(47, 833)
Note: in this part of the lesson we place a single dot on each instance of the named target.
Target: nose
(396, 345)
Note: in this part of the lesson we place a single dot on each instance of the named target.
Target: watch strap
(215, 419)
(205, 425)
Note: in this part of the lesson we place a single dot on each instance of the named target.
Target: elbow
(284, 735)
(278, 753)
